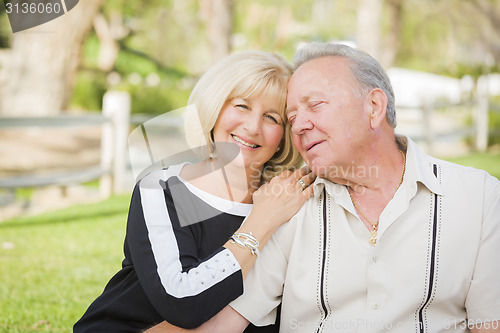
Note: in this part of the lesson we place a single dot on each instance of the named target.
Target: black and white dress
(175, 267)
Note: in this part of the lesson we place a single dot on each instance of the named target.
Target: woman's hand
(281, 198)
(274, 204)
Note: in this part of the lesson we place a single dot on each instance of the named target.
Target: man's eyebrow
(305, 99)
(314, 95)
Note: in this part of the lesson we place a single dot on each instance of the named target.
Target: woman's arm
(184, 288)
(227, 320)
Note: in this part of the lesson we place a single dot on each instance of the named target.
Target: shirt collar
(419, 166)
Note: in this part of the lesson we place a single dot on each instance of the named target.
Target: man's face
(329, 118)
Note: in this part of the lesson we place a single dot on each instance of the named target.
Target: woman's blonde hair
(244, 74)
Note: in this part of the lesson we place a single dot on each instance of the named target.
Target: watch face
(25, 14)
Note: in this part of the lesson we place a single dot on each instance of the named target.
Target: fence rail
(114, 122)
(54, 121)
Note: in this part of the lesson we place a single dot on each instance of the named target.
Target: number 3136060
(33, 8)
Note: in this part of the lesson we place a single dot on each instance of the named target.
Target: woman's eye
(242, 106)
(272, 118)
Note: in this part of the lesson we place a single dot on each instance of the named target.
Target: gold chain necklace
(373, 232)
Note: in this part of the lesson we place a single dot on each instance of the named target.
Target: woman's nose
(253, 124)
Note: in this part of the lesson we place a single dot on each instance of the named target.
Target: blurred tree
(4, 28)
(392, 38)
(43, 62)
(379, 29)
(109, 33)
(140, 49)
(156, 49)
(490, 29)
(369, 26)
(219, 17)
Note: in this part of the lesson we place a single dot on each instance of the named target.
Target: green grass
(59, 263)
(62, 260)
(487, 161)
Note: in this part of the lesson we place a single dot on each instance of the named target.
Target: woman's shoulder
(157, 179)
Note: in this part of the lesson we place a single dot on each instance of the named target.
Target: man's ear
(376, 100)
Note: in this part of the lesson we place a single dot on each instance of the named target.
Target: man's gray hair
(367, 71)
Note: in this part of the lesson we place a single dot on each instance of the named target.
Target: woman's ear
(377, 102)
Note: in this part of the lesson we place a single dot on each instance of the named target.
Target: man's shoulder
(302, 219)
(455, 169)
(470, 179)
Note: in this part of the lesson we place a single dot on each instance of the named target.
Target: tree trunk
(219, 15)
(369, 23)
(392, 40)
(490, 33)
(43, 63)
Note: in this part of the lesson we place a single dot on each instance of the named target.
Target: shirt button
(375, 306)
(374, 258)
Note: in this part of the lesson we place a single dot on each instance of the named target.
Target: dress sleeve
(483, 299)
(184, 289)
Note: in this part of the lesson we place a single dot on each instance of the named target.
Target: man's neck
(377, 174)
(376, 168)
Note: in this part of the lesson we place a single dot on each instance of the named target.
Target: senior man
(393, 239)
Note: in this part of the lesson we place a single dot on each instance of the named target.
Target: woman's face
(254, 125)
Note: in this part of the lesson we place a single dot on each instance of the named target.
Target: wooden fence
(435, 122)
(111, 171)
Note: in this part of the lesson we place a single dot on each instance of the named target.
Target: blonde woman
(194, 231)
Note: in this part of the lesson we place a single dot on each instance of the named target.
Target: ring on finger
(302, 183)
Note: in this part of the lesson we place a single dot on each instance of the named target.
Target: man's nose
(301, 124)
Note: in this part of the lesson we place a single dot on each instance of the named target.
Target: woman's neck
(229, 182)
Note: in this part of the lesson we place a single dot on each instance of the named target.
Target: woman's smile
(245, 143)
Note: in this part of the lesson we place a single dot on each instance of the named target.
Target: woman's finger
(302, 183)
(306, 180)
(309, 178)
(308, 192)
(285, 174)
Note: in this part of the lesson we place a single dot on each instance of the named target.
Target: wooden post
(427, 109)
(116, 106)
(482, 107)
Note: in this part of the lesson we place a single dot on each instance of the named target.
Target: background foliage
(170, 39)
